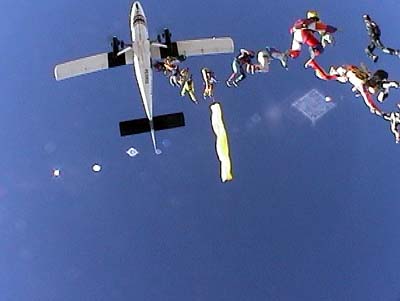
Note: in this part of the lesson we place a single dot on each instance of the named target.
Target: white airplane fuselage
(142, 57)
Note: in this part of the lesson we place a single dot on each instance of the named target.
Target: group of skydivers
(304, 31)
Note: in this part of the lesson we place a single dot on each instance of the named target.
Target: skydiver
(209, 82)
(265, 57)
(171, 66)
(394, 119)
(239, 74)
(379, 84)
(186, 82)
(374, 34)
(352, 74)
(303, 31)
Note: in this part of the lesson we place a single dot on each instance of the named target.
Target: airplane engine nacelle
(117, 45)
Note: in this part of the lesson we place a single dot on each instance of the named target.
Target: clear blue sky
(312, 214)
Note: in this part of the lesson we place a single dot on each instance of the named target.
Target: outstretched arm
(324, 28)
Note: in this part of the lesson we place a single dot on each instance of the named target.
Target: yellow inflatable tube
(221, 144)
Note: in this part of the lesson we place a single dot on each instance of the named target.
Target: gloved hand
(326, 39)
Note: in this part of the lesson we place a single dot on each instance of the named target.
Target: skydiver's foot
(235, 84)
(228, 83)
(372, 56)
(284, 62)
(382, 97)
(309, 63)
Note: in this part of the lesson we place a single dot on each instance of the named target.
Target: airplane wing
(193, 47)
(92, 63)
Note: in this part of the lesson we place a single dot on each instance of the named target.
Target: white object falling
(132, 152)
(96, 167)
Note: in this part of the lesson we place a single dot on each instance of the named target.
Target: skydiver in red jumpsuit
(303, 32)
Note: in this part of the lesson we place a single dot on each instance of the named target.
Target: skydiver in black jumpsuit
(375, 35)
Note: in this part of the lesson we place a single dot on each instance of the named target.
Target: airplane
(141, 53)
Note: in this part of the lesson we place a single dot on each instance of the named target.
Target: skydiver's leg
(253, 68)
(242, 75)
(394, 128)
(382, 95)
(173, 80)
(185, 87)
(235, 72)
(190, 90)
(205, 76)
(183, 90)
(250, 68)
(297, 41)
(211, 90)
(394, 120)
(370, 51)
(383, 92)
(385, 49)
(367, 97)
(391, 51)
(281, 56)
(319, 71)
(310, 40)
(262, 59)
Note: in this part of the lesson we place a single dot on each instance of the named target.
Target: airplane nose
(138, 9)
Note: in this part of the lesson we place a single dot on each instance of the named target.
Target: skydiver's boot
(173, 81)
(382, 96)
(193, 97)
(231, 79)
(372, 56)
(309, 64)
(284, 61)
(189, 89)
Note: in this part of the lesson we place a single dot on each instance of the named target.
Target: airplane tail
(153, 137)
(143, 125)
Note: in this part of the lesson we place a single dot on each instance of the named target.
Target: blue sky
(312, 214)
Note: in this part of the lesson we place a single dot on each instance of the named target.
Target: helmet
(366, 17)
(312, 14)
